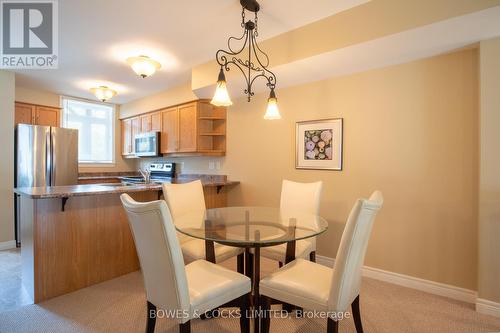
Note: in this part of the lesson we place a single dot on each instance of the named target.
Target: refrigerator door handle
(53, 144)
(48, 158)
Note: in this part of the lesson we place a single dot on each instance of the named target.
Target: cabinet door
(145, 123)
(187, 128)
(46, 116)
(127, 137)
(156, 122)
(170, 130)
(25, 114)
(136, 129)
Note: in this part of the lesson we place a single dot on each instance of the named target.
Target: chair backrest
(346, 278)
(301, 198)
(159, 253)
(182, 199)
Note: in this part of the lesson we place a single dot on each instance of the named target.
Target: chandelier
(253, 66)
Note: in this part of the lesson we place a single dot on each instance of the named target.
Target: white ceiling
(95, 38)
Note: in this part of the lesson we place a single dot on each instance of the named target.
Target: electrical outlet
(211, 165)
(217, 165)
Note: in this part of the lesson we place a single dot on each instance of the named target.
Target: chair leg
(185, 328)
(240, 263)
(280, 264)
(332, 326)
(312, 256)
(244, 318)
(265, 306)
(151, 318)
(356, 314)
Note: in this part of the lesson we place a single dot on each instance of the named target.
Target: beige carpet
(119, 306)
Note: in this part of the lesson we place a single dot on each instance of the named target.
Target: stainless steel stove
(160, 172)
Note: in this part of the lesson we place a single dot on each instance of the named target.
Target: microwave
(147, 144)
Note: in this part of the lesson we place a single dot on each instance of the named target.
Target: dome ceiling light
(253, 67)
(103, 93)
(143, 65)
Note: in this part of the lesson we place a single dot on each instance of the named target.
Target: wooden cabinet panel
(193, 128)
(46, 116)
(170, 130)
(145, 123)
(136, 129)
(24, 114)
(127, 137)
(187, 128)
(156, 121)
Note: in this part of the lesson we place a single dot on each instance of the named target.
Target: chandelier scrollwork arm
(252, 68)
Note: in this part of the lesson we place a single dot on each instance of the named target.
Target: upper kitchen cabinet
(151, 122)
(194, 128)
(36, 115)
(127, 146)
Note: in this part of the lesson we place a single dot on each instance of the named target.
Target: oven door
(147, 144)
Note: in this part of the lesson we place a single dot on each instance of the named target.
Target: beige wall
(40, 97)
(489, 186)
(7, 84)
(176, 95)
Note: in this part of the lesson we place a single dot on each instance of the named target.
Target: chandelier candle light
(252, 68)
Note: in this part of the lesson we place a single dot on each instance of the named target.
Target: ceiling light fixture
(103, 93)
(252, 68)
(143, 65)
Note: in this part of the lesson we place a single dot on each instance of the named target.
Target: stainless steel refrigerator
(45, 156)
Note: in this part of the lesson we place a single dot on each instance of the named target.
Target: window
(95, 124)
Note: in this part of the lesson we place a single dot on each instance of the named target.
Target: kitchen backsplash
(189, 165)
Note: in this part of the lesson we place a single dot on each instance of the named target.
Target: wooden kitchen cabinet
(194, 128)
(127, 144)
(46, 116)
(169, 135)
(156, 123)
(26, 113)
(187, 128)
(150, 122)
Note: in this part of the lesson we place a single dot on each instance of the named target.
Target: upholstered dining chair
(315, 287)
(297, 198)
(186, 290)
(188, 197)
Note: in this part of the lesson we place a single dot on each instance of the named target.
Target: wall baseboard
(436, 288)
(8, 245)
(487, 307)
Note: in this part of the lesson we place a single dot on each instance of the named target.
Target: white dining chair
(297, 198)
(186, 290)
(186, 198)
(316, 287)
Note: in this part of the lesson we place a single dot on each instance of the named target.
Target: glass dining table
(251, 228)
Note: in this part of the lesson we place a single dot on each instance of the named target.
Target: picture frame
(319, 144)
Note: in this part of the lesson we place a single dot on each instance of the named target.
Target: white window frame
(113, 132)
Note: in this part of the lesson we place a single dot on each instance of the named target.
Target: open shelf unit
(212, 121)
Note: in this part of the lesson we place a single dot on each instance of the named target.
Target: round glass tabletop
(250, 226)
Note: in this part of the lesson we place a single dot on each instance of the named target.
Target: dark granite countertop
(99, 189)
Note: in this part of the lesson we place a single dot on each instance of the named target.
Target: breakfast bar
(77, 236)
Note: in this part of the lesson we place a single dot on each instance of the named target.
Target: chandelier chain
(242, 17)
(256, 25)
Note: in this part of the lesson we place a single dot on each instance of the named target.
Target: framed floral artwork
(319, 144)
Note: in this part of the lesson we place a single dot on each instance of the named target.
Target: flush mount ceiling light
(103, 93)
(143, 65)
(252, 67)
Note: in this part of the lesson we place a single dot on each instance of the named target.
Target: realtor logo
(29, 34)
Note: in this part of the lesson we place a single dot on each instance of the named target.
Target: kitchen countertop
(99, 189)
